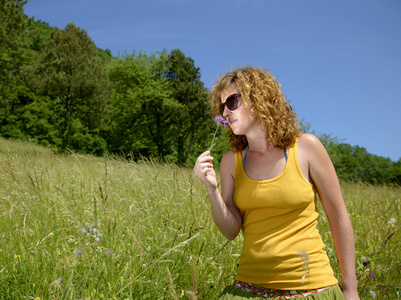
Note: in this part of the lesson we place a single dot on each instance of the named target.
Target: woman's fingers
(204, 160)
(205, 156)
(204, 169)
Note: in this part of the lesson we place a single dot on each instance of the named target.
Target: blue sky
(339, 62)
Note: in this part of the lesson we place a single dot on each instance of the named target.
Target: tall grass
(80, 227)
(376, 220)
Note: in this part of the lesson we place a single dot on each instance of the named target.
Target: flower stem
(214, 139)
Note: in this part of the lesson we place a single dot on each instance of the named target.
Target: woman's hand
(204, 170)
(225, 214)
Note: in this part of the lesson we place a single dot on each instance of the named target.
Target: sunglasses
(231, 103)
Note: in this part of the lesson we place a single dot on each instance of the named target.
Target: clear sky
(339, 62)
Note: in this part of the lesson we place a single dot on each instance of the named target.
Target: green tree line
(58, 89)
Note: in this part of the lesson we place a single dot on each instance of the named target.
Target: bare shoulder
(229, 155)
(227, 164)
(228, 160)
(312, 154)
(308, 140)
(309, 146)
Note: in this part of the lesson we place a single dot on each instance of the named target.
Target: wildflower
(78, 252)
(83, 230)
(100, 234)
(373, 294)
(87, 224)
(70, 240)
(97, 239)
(392, 222)
(220, 122)
(365, 262)
(372, 275)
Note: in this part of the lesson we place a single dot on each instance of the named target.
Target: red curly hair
(262, 96)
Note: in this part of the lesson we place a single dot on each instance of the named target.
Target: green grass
(154, 237)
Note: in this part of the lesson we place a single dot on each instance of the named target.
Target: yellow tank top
(282, 247)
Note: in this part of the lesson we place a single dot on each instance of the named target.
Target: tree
(142, 105)
(14, 54)
(71, 74)
(192, 119)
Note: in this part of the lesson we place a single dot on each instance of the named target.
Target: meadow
(82, 227)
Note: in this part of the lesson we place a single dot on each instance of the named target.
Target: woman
(269, 183)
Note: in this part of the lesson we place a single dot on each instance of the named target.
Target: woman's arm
(324, 177)
(225, 214)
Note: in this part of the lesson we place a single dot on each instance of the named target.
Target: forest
(59, 90)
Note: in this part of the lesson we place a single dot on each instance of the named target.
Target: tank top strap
(246, 152)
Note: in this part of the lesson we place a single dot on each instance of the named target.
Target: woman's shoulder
(228, 157)
(228, 162)
(311, 148)
(309, 142)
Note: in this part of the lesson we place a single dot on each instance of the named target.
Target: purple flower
(373, 294)
(83, 230)
(220, 121)
(365, 262)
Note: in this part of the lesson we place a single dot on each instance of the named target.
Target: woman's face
(240, 119)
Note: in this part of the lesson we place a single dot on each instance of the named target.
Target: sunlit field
(81, 227)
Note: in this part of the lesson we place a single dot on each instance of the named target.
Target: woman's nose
(226, 112)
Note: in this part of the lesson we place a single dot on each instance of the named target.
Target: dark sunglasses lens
(231, 103)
